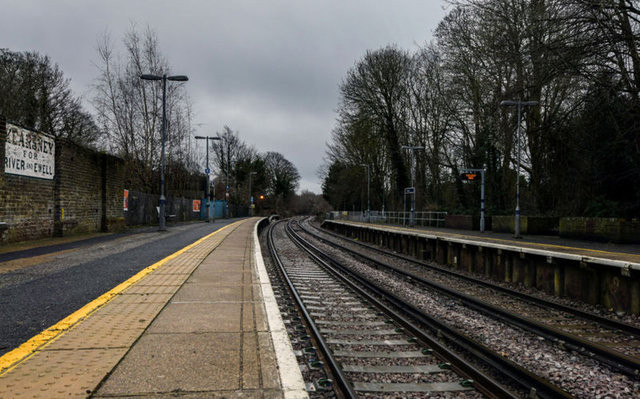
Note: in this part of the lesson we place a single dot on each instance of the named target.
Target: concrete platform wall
(612, 284)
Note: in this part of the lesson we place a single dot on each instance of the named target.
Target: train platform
(589, 249)
(596, 273)
(202, 322)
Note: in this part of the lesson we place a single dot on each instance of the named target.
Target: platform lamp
(518, 103)
(251, 196)
(207, 171)
(163, 200)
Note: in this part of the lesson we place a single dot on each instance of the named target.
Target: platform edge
(290, 376)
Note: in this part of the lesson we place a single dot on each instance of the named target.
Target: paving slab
(198, 317)
(209, 292)
(178, 362)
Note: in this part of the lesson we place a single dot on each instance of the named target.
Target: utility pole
(368, 193)
(163, 200)
(413, 149)
(207, 171)
(250, 195)
(227, 190)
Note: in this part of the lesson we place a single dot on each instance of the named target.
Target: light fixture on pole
(250, 195)
(227, 195)
(368, 192)
(163, 200)
(413, 149)
(518, 103)
(207, 171)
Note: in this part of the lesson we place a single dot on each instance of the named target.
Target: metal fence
(426, 218)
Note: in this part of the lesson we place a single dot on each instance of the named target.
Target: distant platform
(627, 253)
(596, 273)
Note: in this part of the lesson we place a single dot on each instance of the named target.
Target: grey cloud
(269, 69)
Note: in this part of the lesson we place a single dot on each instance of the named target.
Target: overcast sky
(268, 69)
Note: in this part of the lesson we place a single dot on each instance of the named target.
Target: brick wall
(84, 196)
(89, 188)
(4, 226)
(27, 203)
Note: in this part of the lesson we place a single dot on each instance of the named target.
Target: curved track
(614, 343)
(350, 319)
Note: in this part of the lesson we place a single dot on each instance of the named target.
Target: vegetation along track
(571, 361)
(368, 356)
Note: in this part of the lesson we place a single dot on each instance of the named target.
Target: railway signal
(468, 176)
(472, 175)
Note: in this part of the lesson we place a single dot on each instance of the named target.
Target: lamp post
(413, 149)
(368, 192)
(207, 170)
(227, 186)
(251, 196)
(226, 199)
(164, 78)
(519, 104)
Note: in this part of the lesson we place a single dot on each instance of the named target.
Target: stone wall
(28, 206)
(89, 188)
(84, 196)
(4, 226)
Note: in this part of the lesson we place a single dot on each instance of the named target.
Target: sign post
(412, 192)
(126, 200)
(471, 175)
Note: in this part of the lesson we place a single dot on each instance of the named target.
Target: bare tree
(130, 110)
(376, 89)
(283, 180)
(35, 93)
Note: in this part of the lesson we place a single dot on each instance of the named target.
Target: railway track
(375, 344)
(614, 343)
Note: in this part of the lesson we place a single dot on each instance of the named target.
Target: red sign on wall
(126, 200)
(196, 205)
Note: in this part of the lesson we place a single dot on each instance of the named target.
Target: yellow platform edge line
(12, 358)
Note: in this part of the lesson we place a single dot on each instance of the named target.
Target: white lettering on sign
(29, 153)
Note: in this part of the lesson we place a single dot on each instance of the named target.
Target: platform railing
(424, 218)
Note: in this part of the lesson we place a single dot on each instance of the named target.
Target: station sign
(409, 190)
(29, 153)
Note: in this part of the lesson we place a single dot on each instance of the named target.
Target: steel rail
(627, 364)
(341, 379)
(631, 329)
(530, 382)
